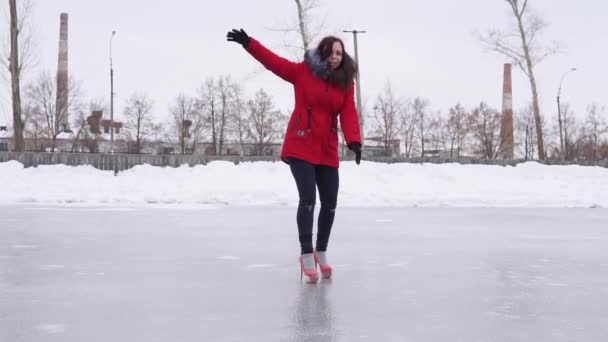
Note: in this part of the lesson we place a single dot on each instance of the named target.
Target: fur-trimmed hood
(317, 65)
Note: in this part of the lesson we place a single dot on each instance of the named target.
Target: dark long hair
(345, 73)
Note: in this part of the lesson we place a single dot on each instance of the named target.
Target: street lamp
(559, 114)
(111, 97)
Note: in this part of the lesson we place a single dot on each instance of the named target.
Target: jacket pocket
(299, 127)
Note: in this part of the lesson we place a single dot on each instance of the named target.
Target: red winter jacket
(312, 133)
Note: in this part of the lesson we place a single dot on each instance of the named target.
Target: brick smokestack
(506, 127)
(62, 75)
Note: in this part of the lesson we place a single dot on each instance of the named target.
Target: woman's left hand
(356, 148)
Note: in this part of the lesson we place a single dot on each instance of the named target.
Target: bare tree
(304, 27)
(264, 119)
(208, 105)
(303, 21)
(387, 114)
(555, 144)
(224, 94)
(98, 104)
(307, 28)
(485, 125)
(18, 58)
(182, 110)
(457, 130)
(26, 38)
(522, 45)
(420, 108)
(408, 129)
(217, 97)
(15, 82)
(139, 125)
(43, 95)
(80, 125)
(437, 133)
(570, 129)
(525, 138)
(198, 125)
(240, 119)
(594, 129)
(33, 128)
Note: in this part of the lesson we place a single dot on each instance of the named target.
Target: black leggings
(308, 177)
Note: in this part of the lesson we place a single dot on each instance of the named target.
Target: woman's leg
(328, 183)
(304, 174)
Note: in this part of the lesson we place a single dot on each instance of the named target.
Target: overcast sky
(423, 47)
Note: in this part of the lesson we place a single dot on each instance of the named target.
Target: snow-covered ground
(266, 183)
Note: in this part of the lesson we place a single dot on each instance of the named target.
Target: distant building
(5, 139)
(378, 149)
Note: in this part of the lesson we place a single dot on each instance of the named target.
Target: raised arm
(280, 66)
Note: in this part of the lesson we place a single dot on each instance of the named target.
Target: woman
(324, 89)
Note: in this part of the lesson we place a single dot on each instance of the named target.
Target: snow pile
(266, 183)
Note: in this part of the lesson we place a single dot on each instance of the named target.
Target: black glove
(356, 148)
(240, 37)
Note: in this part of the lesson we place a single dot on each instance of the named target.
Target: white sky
(424, 47)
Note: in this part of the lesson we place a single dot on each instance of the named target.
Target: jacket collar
(317, 65)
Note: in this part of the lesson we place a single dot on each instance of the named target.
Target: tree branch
(523, 8)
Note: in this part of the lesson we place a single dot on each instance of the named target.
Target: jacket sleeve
(349, 119)
(278, 65)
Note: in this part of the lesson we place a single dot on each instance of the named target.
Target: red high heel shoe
(325, 268)
(311, 273)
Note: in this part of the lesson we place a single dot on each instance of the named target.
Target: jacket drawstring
(309, 110)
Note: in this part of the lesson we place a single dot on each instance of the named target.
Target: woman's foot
(308, 267)
(321, 259)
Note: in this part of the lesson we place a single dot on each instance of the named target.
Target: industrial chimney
(62, 75)
(506, 127)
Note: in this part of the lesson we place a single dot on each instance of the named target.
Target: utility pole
(358, 84)
(111, 97)
(559, 116)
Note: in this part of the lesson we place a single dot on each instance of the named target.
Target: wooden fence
(120, 162)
